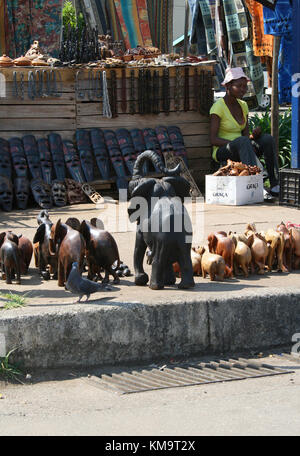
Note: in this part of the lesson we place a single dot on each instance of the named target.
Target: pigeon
(81, 286)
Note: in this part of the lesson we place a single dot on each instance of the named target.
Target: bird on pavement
(81, 286)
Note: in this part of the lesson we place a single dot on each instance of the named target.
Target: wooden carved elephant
(275, 241)
(10, 257)
(212, 264)
(69, 246)
(101, 252)
(288, 245)
(295, 232)
(196, 263)
(41, 248)
(220, 244)
(242, 254)
(157, 207)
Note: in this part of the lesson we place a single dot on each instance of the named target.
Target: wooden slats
(37, 111)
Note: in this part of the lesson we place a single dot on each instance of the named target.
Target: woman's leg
(240, 149)
(266, 146)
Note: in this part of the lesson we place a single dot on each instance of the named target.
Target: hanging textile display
(278, 22)
(160, 14)
(133, 17)
(262, 44)
(100, 16)
(113, 23)
(30, 20)
(2, 28)
(271, 4)
(244, 57)
(236, 20)
(197, 32)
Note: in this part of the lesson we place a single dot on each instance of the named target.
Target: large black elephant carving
(163, 223)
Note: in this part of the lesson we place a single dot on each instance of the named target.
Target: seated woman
(229, 132)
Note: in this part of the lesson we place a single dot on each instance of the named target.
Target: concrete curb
(136, 332)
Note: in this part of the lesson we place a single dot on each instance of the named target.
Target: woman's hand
(256, 133)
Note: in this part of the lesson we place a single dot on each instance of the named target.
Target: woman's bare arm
(214, 130)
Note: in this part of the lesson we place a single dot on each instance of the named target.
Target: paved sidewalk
(130, 322)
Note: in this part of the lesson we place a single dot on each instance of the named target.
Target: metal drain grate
(196, 373)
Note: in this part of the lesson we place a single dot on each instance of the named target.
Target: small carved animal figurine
(275, 241)
(97, 223)
(101, 252)
(242, 255)
(26, 250)
(156, 224)
(196, 263)
(259, 249)
(74, 223)
(42, 255)
(43, 217)
(296, 247)
(10, 257)
(69, 246)
(220, 244)
(82, 286)
(288, 245)
(213, 264)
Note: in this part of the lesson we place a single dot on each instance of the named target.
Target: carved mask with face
(72, 161)
(5, 161)
(32, 155)
(74, 191)
(6, 194)
(59, 193)
(103, 162)
(56, 148)
(45, 159)
(100, 152)
(41, 193)
(21, 187)
(18, 157)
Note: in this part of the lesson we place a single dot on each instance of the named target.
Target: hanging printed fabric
(207, 13)
(197, 33)
(2, 28)
(262, 44)
(236, 20)
(279, 23)
(271, 4)
(100, 16)
(133, 17)
(113, 22)
(30, 20)
(160, 15)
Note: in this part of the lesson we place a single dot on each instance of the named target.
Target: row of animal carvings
(251, 252)
(56, 246)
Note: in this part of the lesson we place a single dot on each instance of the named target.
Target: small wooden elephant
(275, 241)
(10, 257)
(242, 254)
(214, 265)
(288, 245)
(220, 244)
(259, 249)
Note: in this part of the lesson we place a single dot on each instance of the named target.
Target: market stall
(137, 94)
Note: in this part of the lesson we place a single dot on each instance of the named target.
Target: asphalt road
(70, 403)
